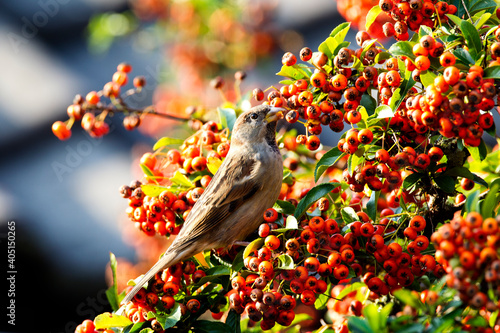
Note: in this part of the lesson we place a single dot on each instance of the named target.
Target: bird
(246, 184)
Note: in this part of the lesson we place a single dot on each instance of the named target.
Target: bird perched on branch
(231, 207)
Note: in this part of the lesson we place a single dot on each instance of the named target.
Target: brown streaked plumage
(231, 207)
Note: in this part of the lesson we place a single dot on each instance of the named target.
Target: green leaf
(112, 292)
(371, 205)
(472, 38)
(424, 31)
(349, 215)
(408, 84)
(427, 78)
(479, 180)
(147, 171)
(171, 319)
(384, 111)
(479, 5)
(477, 321)
(215, 273)
(492, 72)
(213, 164)
(237, 263)
(291, 222)
(465, 173)
(207, 326)
(385, 312)
(372, 16)
(135, 328)
(358, 325)
(153, 190)
(369, 103)
(460, 171)
(493, 318)
(411, 180)
(455, 19)
(355, 160)
(463, 56)
(227, 118)
(109, 320)
(402, 49)
(284, 207)
(446, 183)
(349, 289)
(364, 114)
(406, 296)
(328, 46)
(295, 72)
(181, 179)
(312, 196)
(327, 160)
(340, 31)
(219, 270)
(233, 321)
(288, 177)
(472, 202)
(254, 245)
(322, 299)
(382, 56)
(165, 141)
(482, 20)
(395, 99)
(490, 202)
(285, 262)
(373, 317)
(478, 153)
(341, 45)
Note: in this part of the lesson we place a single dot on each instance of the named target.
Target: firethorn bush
(394, 228)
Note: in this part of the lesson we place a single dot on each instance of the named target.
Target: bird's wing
(221, 200)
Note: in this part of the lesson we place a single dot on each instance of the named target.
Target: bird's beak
(274, 114)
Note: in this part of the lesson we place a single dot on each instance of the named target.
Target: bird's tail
(169, 258)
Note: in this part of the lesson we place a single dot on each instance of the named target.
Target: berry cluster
(456, 103)
(411, 15)
(92, 109)
(467, 247)
(161, 292)
(163, 209)
(153, 214)
(387, 169)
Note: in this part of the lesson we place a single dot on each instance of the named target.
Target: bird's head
(257, 125)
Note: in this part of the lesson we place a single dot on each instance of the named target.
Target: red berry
(61, 130)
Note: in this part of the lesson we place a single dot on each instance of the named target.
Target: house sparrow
(231, 207)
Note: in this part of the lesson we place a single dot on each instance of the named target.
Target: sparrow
(231, 207)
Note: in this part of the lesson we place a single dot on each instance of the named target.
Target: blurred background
(63, 196)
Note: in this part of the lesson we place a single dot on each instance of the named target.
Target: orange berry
(92, 98)
(124, 67)
(61, 130)
(422, 63)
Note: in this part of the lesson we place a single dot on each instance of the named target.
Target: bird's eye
(254, 115)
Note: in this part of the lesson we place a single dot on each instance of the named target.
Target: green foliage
(112, 292)
(227, 117)
(326, 161)
(166, 141)
(312, 196)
